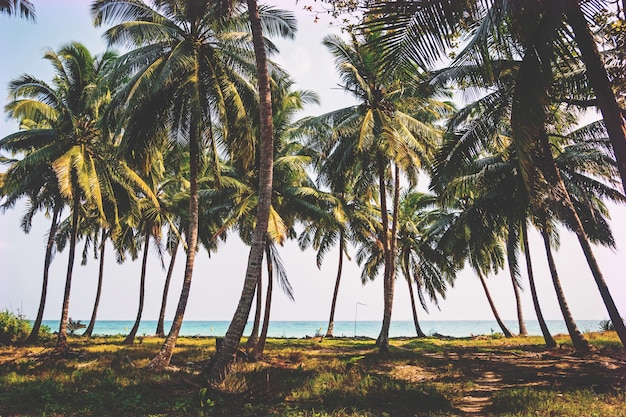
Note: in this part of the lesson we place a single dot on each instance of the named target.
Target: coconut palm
(423, 32)
(295, 195)
(535, 30)
(496, 178)
(39, 199)
(230, 344)
(36, 181)
(84, 165)
(421, 262)
(382, 134)
(188, 70)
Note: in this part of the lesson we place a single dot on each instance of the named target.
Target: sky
(218, 279)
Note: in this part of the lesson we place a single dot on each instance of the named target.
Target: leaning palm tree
(424, 32)
(284, 27)
(36, 181)
(71, 143)
(40, 197)
(295, 196)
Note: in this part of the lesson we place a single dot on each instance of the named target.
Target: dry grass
(319, 377)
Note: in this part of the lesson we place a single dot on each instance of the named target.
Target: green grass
(298, 377)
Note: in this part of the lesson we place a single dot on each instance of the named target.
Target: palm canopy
(554, 37)
(21, 8)
(188, 66)
(65, 137)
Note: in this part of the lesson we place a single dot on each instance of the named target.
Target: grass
(317, 377)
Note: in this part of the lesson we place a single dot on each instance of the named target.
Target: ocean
(301, 329)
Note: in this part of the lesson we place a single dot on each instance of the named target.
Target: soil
(491, 371)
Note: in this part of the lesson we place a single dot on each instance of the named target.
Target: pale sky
(217, 281)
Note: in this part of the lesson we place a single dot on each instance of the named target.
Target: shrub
(13, 327)
(607, 326)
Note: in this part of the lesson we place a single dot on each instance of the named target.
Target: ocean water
(300, 329)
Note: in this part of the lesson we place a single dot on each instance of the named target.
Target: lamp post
(356, 309)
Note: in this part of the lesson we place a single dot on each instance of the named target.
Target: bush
(607, 326)
(13, 327)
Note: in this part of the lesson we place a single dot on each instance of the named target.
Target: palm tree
(21, 8)
(36, 181)
(71, 143)
(423, 32)
(382, 134)
(188, 74)
(295, 196)
(421, 262)
(230, 344)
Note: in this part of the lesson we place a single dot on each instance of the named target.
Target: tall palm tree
(84, 165)
(295, 195)
(188, 71)
(223, 358)
(382, 134)
(36, 181)
(535, 33)
(21, 8)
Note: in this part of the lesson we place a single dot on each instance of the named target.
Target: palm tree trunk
(162, 359)
(259, 347)
(383, 338)
(142, 293)
(254, 335)
(34, 334)
(503, 327)
(537, 79)
(94, 313)
(580, 343)
(160, 329)
(333, 305)
(573, 220)
(219, 366)
(62, 336)
(547, 337)
(516, 291)
(597, 75)
(407, 269)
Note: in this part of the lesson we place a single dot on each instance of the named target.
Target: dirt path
(494, 371)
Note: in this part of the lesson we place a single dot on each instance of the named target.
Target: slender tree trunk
(547, 337)
(333, 305)
(259, 347)
(516, 291)
(534, 99)
(62, 336)
(219, 366)
(162, 359)
(407, 269)
(142, 293)
(34, 334)
(254, 335)
(580, 343)
(496, 315)
(160, 330)
(390, 267)
(599, 80)
(383, 338)
(567, 210)
(94, 313)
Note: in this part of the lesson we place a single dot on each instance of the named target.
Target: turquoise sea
(300, 329)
